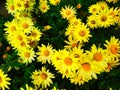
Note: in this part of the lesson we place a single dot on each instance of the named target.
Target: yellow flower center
(19, 4)
(0, 79)
(93, 22)
(86, 66)
(44, 7)
(103, 18)
(12, 28)
(68, 61)
(94, 10)
(97, 57)
(114, 49)
(19, 37)
(68, 12)
(43, 76)
(25, 25)
(27, 54)
(23, 44)
(46, 52)
(12, 7)
(34, 34)
(26, 5)
(74, 45)
(82, 33)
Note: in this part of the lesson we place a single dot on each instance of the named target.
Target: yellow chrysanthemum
(27, 55)
(10, 6)
(68, 12)
(27, 88)
(11, 26)
(82, 33)
(86, 70)
(35, 34)
(4, 80)
(75, 21)
(103, 5)
(111, 64)
(25, 24)
(69, 30)
(103, 19)
(67, 62)
(54, 2)
(43, 7)
(71, 43)
(94, 9)
(44, 54)
(91, 21)
(113, 47)
(42, 78)
(99, 58)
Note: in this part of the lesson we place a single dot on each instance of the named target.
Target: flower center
(19, 4)
(86, 66)
(46, 52)
(103, 18)
(12, 7)
(93, 22)
(82, 33)
(68, 12)
(97, 57)
(74, 45)
(34, 34)
(19, 37)
(25, 25)
(114, 49)
(43, 76)
(27, 54)
(12, 28)
(94, 10)
(68, 61)
(0, 79)
(44, 7)
(26, 5)
(23, 44)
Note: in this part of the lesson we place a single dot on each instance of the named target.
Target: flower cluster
(73, 61)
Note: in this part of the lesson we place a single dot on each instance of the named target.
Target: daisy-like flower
(67, 62)
(54, 2)
(11, 26)
(42, 78)
(44, 7)
(94, 9)
(91, 21)
(4, 80)
(71, 43)
(69, 30)
(113, 47)
(25, 24)
(103, 5)
(68, 12)
(27, 88)
(35, 34)
(82, 33)
(45, 53)
(103, 19)
(26, 55)
(111, 64)
(75, 21)
(10, 6)
(99, 58)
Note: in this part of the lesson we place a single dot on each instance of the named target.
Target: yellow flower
(4, 80)
(99, 58)
(44, 54)
(94, 9)
(91, 21)
(68, 12)
(103, 19)
(42, 78)
(113, 47)
(27, 55)
(54, 2)
(82, 33)
(44, 7)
